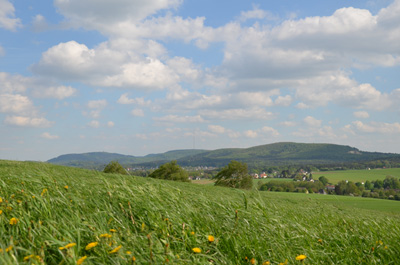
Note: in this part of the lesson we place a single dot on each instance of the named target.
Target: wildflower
(1, 199)
(9, 208)
(196, 250)
(284, 263)
(81, 260)
(386, 247)
(106, 235)
(380, 242)
(301, 257)
(12, 196)
(192, 233)
(266, 263)
(9, 248)
(43, 192)
(19, 201)
(320, 240)
(113, 230)
(33, 197)
(115, 250)
(133, 259)
(210, 239)
(70, 245)
(143, 226)
(372, 249)
(91, 245)
(28, 257)
(129, 252)
(13, 221)
(1, 211)
(66, 187)
(253, 261)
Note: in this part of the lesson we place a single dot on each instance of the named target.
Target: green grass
(357, 175)
(160, 220)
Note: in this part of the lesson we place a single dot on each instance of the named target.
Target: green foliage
(170, 171)
(234, 175)
(157, 220)
(323, 180)
(115, 168)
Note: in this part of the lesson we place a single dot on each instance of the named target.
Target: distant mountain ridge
(269, 154)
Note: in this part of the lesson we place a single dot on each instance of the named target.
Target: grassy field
(357, 175)
(59, 215)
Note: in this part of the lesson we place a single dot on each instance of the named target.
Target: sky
(138, 77)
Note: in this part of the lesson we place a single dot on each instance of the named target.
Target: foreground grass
(357, 175)
(145, 221)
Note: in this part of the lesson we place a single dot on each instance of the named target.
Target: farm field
(59, 215)
(357, 175)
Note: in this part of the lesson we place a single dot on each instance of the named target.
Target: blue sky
(139, 77)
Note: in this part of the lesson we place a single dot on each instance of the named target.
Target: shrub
(170, 171)
(115, 168)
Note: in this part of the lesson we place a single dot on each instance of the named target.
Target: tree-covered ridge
(285, 153)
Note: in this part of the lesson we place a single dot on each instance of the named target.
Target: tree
(170, 171)
(115, 168)
(234, 175)
(323, 180)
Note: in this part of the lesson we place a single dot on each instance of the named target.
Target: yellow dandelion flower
(1, 211)
(380, 242)
(115, 250)
(13, 221)
(301, 257)
(192, 233)
(9, 248)
(43, 192)
(253, 261)
(143, 226)
(1, 199)
(70, 245)
(12, 196)
(128, 252)
(196, 250)
(266, 263)
(106, 235)
(320, 240)
(133, 259)
(91, 245)
(81, 260)
(19, 201)
(113, 230)
(210, 239)
(33, 197)
(66, 187)
(9, 208)
(386, 247)
(284, 263)
(28, 257)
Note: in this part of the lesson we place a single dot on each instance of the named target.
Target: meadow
(59, 215)
(357, 175)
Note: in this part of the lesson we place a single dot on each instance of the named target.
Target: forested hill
(270, 154)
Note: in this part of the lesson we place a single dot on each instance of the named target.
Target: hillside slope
(51, 213)
(269, 154)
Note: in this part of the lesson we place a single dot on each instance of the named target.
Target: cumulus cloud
(10, 103)
(24, 121)
(377, 127)
(7, 16)
(49, 136)
(256, 13)
(254, 113)
(39, 23)
(97, 104)
(251, 134)
(361, 114)
(313, 122)
(216, 129)
(270, 131)
(137, 113)
(94, 124)
(57, 92)
(124, 99)
(179, 119)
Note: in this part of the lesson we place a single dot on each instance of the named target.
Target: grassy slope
(155, 220)
(357, 175)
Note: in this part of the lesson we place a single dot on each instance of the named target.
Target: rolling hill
(271, 154)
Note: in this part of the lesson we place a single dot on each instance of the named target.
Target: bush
(115, 168)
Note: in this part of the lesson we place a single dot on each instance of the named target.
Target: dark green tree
(234, 175)
(323, 180)
(115, 168)
(170, 171)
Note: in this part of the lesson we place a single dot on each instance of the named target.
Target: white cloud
(254, 113)
(124, 99)
(97, 104)
(288, 123)
(49, 136)
(251, 134)
(283, 101)
(110, 124)
(25, 121)
(180, 119)
(57, 92)
(39, 23)
(361, 114)
(18, 104)
(137, 113)
(256, 13)
(313, 122)
(13, 83)
(94, 124)
(7, 16)
(377, 127)
(216, 129)
(270, 131)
